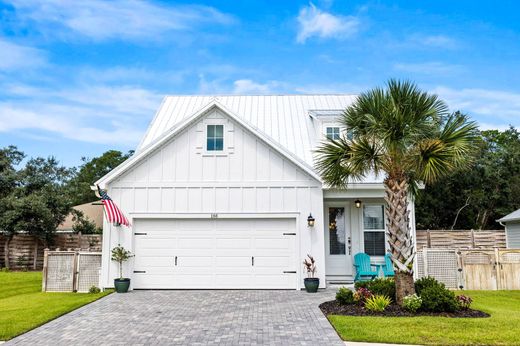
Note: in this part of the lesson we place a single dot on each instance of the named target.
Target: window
(374, 229)
(337, 231)
(215, 138)
(333, 133)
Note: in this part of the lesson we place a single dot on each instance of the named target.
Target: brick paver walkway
(192, 318)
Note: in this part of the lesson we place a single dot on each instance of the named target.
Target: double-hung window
(215, 138)
(374, 229)
(332, 132)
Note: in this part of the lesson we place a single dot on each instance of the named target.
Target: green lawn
(502, 328)
(23, 306)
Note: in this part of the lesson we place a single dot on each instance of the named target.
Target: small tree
(120, 255)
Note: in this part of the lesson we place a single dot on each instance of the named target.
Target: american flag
(114, 215)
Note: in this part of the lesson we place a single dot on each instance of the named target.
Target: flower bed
(393, 310)
(377, 298)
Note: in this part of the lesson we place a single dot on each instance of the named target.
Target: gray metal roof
(514, 216)
(284, 118)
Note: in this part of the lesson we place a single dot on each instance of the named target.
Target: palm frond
(333, 162)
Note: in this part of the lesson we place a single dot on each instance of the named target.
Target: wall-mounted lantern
(310, 221)
(357, 203)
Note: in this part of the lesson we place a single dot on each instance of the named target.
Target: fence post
(425, 262)
(44, 275)
(498, 270)
(35, 253)
(473, 239)
(75, 271)
(428, 239)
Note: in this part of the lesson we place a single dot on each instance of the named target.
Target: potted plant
(311, 283)
(120, 255)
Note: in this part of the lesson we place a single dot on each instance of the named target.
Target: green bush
(345, 296)
(361, 284)
(94, 289)
(377, 303)
(5, 270)
(412, 302)
(438, 299)
(380, 286)
(425, 282)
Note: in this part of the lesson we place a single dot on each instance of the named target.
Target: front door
(338, 240)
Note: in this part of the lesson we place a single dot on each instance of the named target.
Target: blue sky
(81, 77)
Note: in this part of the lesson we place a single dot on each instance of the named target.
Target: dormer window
(215, 138)
(333, 132)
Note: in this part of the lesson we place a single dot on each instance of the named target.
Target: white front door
(215, 253)
(338, 240)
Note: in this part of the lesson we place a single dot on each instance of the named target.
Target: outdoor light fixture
(310, 221)
(357, 203)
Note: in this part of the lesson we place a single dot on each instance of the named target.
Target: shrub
(412, 302)
(5, 270)
(383, 286)
(361, 284)
(345, 296)
(425, 282)
(94, 289)
(464, 301)
(438, 299)
(362, 295)
(377, 303)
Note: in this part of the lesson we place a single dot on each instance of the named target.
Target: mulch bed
(334, 308)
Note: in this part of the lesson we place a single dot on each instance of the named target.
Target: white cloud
(315, 22)
(491, 108)
(15, 56)
(247, 86)
(129, 19)
(428, 68)
(440, 41)
(96, 114)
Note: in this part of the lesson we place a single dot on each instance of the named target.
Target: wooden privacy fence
(461, 239)
(70, 271)
(26, 252)
(471, 269)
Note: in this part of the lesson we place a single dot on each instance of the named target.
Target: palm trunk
(399, 235)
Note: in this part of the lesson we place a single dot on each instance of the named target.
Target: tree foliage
(90, 171)
(490, 188)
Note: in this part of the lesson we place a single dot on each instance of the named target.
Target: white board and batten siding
(513, 235)
(251, 181)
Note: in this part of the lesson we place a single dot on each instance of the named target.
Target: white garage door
(217, 253)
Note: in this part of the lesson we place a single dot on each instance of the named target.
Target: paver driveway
(192, 318)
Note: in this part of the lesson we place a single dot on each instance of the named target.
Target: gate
(70, 271)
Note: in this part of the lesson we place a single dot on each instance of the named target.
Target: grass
(502, 328)
(23, 306)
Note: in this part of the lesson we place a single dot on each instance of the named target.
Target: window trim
(333, 132)
(363, 230)
(215, 138)
(204, 140)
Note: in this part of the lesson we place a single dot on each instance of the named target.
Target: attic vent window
(215, 138)
(333, 133)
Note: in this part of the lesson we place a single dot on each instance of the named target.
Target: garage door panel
(233, 261)
(233, 243)
(215, 253)
(196, 243)
(155, 243)
(154, 261)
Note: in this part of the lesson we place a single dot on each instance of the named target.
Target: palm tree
(408, 137)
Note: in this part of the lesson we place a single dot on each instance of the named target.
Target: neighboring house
(512, 225)
(220, 189)
(92, 211)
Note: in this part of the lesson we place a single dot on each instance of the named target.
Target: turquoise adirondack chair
(388, 267)
(364, 269)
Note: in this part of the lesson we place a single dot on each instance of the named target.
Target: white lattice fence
(70, 271)
(442, 264)
(472, 269)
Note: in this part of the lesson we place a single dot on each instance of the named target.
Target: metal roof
(514, 216)
(284, 118)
